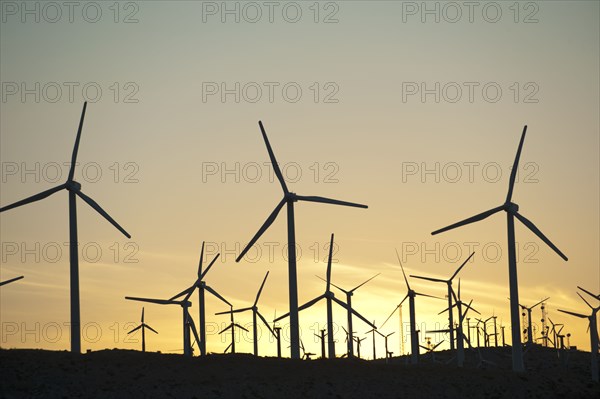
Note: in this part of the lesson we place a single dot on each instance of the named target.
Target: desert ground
(131, 374)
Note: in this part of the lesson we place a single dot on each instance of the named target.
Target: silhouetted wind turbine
(143, 326)
(373, 331)
(288, 199)
(529, 325)
(414, 338)
(349, 303)
(593, 333)
(11, 280)
(255, 314)
(460, 336)
(187, 320)
(330, 297)
(449, 284)
(385, 338)
(202, 287)
(74, 189)
(233, 325)
(512, 212)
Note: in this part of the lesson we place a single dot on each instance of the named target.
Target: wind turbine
(202, 287)
(188, 322)
(231, 326)
(74, 189)
(143, 326)
(349, 303)
(358, 344)
(512, 212)
(289, 198)
(322, 339)
(529, 327)
(432, 350)
(385, 337)
(449, 284)
(414, 338)
(593, 333)
(373, 331)
(255, 314)
(460, 336)
(330, 297)
(10, 281)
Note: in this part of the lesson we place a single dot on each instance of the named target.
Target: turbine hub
(291, 197)
(511, 207)
(73, 186)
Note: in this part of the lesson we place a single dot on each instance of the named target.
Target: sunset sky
(375, 102)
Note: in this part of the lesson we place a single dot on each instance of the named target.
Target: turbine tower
(512, 212)
(74, 189)
(289, 198)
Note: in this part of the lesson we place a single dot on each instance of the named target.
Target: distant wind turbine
(202, 287)
(10, 281)
(289, 198)
(233, 325)
(330, 297)
(349, 303)
(74, 189)
(512, 212)
(449, 284)
(143, 326)
(255, 315)
(593, 325)
(187, 321)
(414, 337)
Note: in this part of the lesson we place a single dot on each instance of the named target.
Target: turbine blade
(209, 266)
(33, 198)
(470, 220)
(305, 306)
(429, 296)
(402, 267)
(354, 312)
(589, 293)
(574, 314)
(538, 233)
(261, 288)
(240, 310)
(76, 147)
(101, 211)
(151, 329)
(273, 160)
(586, 302)
(135, 329)
(513, 172)
(329, 264)
(184, 292)
(215, 293)
(142, 315)
(543, 300)
(151, 300)
(461, 266)
(226, 328)
(262, 229)
(438, 331)
(266, 323)
(11, 280)
(360, 285)
(436, 345)
(238, 326)
(224, 312)
(437, 280)
(391, 314)
(336, 286)
(324, 200)
(200, 262)
(193, 328)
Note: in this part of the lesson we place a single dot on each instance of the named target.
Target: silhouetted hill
(132, 374)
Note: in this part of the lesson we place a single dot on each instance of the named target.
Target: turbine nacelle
(289, 196)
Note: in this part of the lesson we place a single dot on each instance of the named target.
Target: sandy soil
(132, 374)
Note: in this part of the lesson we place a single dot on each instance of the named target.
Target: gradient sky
(158, 139)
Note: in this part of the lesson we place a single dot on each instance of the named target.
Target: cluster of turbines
(456, 331)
